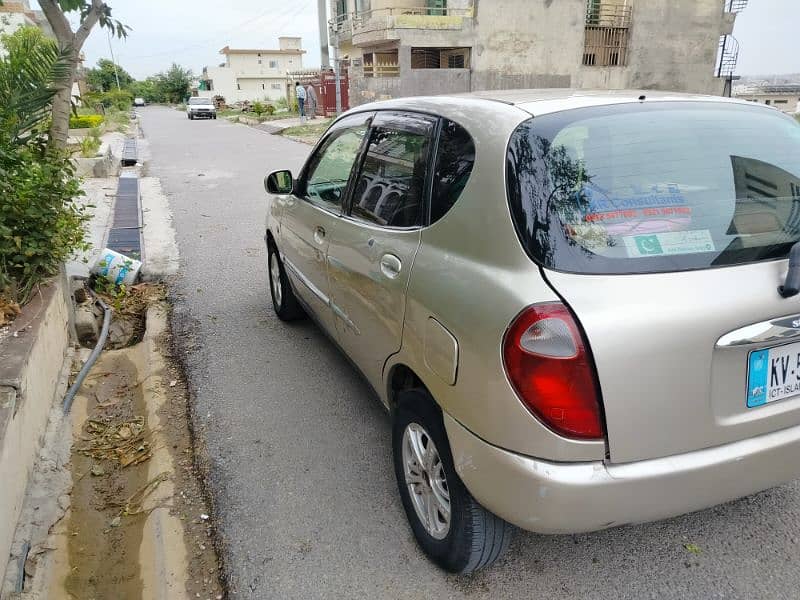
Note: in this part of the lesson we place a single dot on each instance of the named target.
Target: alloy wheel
(426, 481)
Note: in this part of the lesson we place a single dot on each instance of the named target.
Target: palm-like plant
(29, 74)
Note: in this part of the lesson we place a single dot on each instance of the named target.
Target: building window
(767, 101)
(381, 64)
(262, 86)
(440, 58)
(341, 7)
(238, 86)
(276, 86)
(606, 33)
(781, 102)
(273, 64)
(259, 61)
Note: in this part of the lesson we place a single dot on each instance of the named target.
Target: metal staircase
(735, 6)
(727, 55)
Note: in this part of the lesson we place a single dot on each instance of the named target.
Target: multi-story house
(253, 74)
(411, 47)
(783, 96)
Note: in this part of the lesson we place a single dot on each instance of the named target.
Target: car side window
(327, 177)
(390, 189)
(455, 159)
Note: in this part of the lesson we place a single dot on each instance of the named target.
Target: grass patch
(308, 133)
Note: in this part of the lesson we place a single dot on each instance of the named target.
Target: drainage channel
(125, 236)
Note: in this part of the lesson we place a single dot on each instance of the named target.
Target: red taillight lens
(547, 363)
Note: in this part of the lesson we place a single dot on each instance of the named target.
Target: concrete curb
(31, 362)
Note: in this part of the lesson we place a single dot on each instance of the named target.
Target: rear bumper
(548, 497)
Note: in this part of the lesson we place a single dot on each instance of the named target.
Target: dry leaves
(122, 442)
(8, 311)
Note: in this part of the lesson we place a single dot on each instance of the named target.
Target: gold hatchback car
(578, 307)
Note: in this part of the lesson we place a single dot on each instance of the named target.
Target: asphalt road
(300, 450)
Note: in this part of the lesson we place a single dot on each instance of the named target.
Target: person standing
(300, 91)
(311, 101)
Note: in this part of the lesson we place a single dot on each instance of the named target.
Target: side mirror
(279, 182)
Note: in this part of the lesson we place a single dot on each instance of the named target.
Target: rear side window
(455, 158)
(655, 187)
(390, 190)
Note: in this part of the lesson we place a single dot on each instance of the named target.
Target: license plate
(773, 374)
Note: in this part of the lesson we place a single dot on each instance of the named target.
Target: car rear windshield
(200, 101)
(653, 187)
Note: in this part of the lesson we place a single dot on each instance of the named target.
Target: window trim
(321, 146)
(427, 186)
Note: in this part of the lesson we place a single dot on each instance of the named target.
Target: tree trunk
(62, 108)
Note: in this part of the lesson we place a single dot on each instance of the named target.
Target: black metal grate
(125, 235)
(129, 153)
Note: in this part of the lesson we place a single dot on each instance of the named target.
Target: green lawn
(308, 133)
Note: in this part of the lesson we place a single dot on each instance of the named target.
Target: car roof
(544, 101)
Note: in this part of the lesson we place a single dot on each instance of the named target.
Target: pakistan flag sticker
(648, 244)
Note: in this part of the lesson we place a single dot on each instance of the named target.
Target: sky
(191, 33)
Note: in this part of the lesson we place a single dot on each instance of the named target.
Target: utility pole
(322, 16)
(114, 62)
(337, 72)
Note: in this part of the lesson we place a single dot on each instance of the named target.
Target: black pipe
(92, 357)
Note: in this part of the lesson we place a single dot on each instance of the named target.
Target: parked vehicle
(575, 305)
(139, 102)
(201, 108)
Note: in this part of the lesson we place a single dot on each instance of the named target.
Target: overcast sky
(191, 33)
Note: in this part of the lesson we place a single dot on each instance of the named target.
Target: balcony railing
(608, 15)
(345, 25)
(382, 70)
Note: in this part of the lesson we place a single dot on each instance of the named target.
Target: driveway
(299, 448)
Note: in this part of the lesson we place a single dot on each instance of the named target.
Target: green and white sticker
(674, 242)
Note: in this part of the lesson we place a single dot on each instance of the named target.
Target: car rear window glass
(390, 190)
(454, 161)
(662, 186)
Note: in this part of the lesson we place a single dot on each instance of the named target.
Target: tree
(30, 71)
(147, 89)
(103, 78)
(90, 13)
(41, 224)
(175, 84)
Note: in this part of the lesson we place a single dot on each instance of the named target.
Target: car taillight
(548, 365)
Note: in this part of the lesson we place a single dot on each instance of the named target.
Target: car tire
(473, 537)
(283, 299)
(214, 117)
(191, 117)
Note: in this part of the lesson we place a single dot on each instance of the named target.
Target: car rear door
(663, 228)
(373, 246)
(311, 214)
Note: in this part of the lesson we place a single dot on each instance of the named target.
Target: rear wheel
(283, 299)
(450, 526)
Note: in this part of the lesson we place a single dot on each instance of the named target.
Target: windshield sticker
(676, 242)
(660, 209)
(657, 195)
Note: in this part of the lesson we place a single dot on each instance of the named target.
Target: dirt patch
(139, 525)
(103, 541)
(190, 503)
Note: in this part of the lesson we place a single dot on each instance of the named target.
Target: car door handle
(319, 235)
(390, 265)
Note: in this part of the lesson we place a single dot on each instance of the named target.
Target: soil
(190, 499)
(111, 504)
(104, 555)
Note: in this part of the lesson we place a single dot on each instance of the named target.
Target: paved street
(300, 450)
